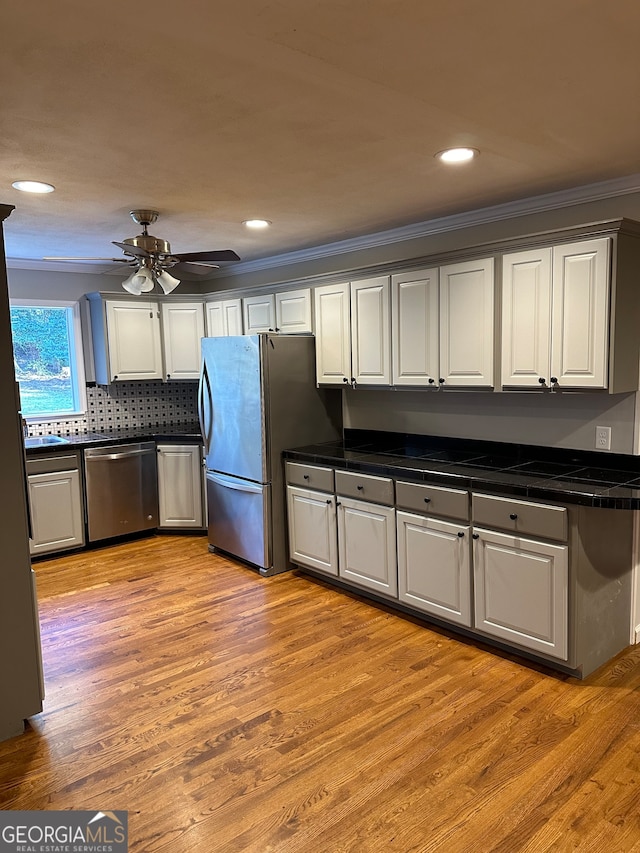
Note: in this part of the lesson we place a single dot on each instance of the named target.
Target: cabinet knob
(542, 381)
(427, 500)
(554, 380)
(115, 377)
(277, 329)
(345, 379)
(431, 381)
(338, 503)
(460, 534)
(271, 330)
(360, 488)
(168, 376)
(305, 476)
(353, 382)
(475, 535)
(328, 500)
(441, 380)
(513, 516)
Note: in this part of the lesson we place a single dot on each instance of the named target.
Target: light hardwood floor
(227, 712)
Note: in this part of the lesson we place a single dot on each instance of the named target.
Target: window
(48, 361)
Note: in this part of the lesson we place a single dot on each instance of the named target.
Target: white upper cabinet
(526, 318)
(580, 320)
(182, 331)
(126, 338)
(224, 318)
(555, 316)
(259, 313)
(333, 334)
(293, 312)
(415, 328)
(466, 323)
(371, 332)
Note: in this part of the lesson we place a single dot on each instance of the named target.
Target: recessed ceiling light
(457, 155)
(32, 187)
(256, 223)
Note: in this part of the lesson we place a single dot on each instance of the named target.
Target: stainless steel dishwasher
(122, 489)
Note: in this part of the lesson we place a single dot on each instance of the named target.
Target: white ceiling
(320, 115)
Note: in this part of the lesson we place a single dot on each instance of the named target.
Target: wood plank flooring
(227, 712)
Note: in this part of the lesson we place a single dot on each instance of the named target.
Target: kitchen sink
(42, 440)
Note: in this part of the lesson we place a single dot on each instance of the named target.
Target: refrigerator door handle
(204, 428)
(232, 483)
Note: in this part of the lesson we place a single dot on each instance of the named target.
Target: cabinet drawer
(309, 476)
(433, 500)
(376, 489)
(548, 522)
(54, 463)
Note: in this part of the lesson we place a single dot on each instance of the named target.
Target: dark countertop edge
(172, 435)
(493, 482)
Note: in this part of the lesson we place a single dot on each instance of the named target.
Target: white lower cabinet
(367, 545)
(57, 520)
(521, 591)
(180, 486)
(434, 568)
(312, 529)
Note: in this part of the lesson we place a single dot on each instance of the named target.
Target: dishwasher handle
(111, 456)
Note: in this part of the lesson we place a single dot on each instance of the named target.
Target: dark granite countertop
(185, 432)
(605, 480)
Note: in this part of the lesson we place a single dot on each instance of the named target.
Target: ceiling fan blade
(132, 250)
(195, 268)
(221, 255)
(113, 260)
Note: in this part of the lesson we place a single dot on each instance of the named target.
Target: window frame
(76, 357)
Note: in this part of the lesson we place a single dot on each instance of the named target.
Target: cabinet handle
(460, 534)
(513, 516)
(475, 535)
(427, 500)
(542, 381)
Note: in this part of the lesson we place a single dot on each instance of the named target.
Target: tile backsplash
(125, 405)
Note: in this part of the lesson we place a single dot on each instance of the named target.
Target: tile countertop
(604, 480)
(174, 433)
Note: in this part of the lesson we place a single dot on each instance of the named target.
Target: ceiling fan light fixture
(457, 155)
(133, 284)
(33, 187)
(167, 282)
(256, 224)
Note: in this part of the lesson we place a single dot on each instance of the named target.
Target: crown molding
(480, 216)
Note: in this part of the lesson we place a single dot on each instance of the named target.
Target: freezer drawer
(240, 518)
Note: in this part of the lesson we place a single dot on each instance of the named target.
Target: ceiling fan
(152, 257)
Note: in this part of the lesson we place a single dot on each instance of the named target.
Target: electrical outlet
(603, 438)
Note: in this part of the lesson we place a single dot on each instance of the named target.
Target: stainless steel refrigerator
(257, 397)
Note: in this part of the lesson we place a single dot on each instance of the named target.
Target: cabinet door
(434, 567)
(259, 314)
(521, 591)
(293, 312)
(466, 323)
(414, 329)
(56, 511)
(133, 334)
(232, 309)
(180, 486)
(224, 318)
(182, 331)
(312, 529)
(580, 332)
(367, 545)
(371, 331)
(333, 334)
(526, 319)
